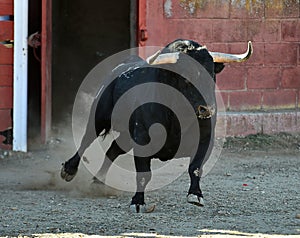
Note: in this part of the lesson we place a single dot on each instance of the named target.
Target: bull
(135, 72)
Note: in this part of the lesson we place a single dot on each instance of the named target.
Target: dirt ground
(252, 191)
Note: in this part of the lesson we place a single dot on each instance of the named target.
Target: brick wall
(6, 74)
(271, 78)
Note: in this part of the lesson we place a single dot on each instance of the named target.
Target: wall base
(246, 123)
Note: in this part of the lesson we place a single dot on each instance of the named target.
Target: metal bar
(20, 76)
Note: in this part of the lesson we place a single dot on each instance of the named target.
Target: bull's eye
(202, 109)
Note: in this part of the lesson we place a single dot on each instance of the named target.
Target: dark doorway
(84, 33)
(34, 73)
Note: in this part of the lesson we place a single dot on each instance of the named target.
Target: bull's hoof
(98, 188)
(195, 200)
(67, 175)
(136, 208)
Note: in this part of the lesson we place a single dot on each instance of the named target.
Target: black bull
(193, 83)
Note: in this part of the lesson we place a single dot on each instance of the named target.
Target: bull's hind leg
(112, 153)
(143, 176)
(70, 167)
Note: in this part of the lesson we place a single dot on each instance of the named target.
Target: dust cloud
(39, 169)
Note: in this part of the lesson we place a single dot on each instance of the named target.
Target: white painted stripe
(20, 76)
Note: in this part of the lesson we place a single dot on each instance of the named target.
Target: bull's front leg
(143, 176)
(195, 195)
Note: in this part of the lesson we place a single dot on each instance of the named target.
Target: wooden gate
(46, 102)
(6, 73)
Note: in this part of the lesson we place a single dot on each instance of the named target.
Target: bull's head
(170, 54)
(213, 62)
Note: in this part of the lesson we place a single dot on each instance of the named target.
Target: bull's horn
(168, 58)
(153, 57)
(230, 58)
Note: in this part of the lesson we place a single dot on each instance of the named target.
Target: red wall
(6, 71)
(271, 78)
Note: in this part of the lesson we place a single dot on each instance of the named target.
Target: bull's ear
(219, 67)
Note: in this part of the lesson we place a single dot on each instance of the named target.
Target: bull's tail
(102, 108)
